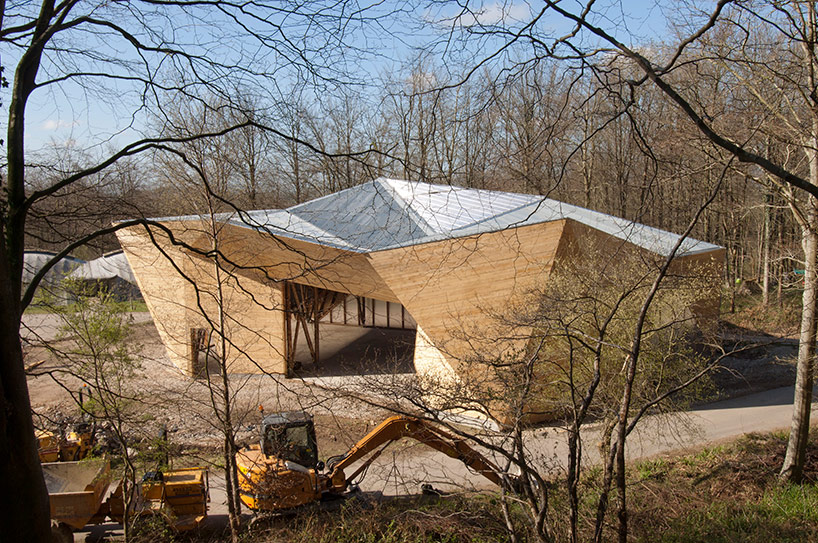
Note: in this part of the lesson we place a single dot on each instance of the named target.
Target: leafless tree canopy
(200, 107)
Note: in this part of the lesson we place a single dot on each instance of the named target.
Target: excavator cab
(282, 470)
(290, 436)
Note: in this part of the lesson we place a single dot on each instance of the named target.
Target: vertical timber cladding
(458, 287)
(311, 264)
(164, 289)
(296, 262)
(254, 317)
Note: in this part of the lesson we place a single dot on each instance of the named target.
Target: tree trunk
(25, 513)
(793, 467)
(767, 238)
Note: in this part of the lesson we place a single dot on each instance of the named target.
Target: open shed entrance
(331, 333)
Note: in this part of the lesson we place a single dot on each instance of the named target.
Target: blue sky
(68, 114)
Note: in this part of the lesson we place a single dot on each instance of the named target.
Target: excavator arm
(399, 427)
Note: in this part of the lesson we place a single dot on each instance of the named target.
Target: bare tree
(101, 354)
(785, 33)
(132, 57)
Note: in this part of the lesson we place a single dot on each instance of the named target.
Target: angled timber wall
(180, 290)
(456, 289)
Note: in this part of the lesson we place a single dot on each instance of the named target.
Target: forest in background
(718, 122)
(540, 128)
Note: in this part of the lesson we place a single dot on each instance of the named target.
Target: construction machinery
(180, 495)
(283, 471)
(178, 498)
(77, 490)
(73, 446)
(48, 445)
(75, 493)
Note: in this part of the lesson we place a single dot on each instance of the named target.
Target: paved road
(400, 470)
(760, 412)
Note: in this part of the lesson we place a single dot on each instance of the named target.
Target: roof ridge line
(331, 194)
(424, 225)
(339, 243)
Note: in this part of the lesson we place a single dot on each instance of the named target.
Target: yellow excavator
(283, 471)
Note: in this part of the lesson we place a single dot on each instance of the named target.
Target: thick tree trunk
(25, 514)
(767, 238)
(793, 467)
(795, 457)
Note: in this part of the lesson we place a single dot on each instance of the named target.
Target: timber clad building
(427, 261)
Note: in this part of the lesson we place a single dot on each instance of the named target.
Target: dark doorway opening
(331, 333)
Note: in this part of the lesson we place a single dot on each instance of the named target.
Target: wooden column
(316, 318)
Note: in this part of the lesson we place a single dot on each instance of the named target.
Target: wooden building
(434, 261)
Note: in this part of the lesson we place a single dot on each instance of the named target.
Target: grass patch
(421, 519)
(727, 493)
(136, 306)
(788, 513)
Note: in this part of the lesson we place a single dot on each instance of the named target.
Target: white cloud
(498, 12)
(58, 124)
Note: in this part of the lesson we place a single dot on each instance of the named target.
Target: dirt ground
(168, 398)
(184, 405)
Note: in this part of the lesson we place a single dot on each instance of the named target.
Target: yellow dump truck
(77, 492)
(179, 497)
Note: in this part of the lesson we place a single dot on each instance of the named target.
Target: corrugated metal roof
(282, 222)
(447, 208)
(365, 217)
(391, 213)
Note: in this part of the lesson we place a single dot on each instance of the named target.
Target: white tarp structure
(49, 287)
(108, 266)
(34, 261)
(113, 271)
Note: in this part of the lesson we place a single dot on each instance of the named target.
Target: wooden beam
(316, 319)
(289, 350)
(301, 315)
